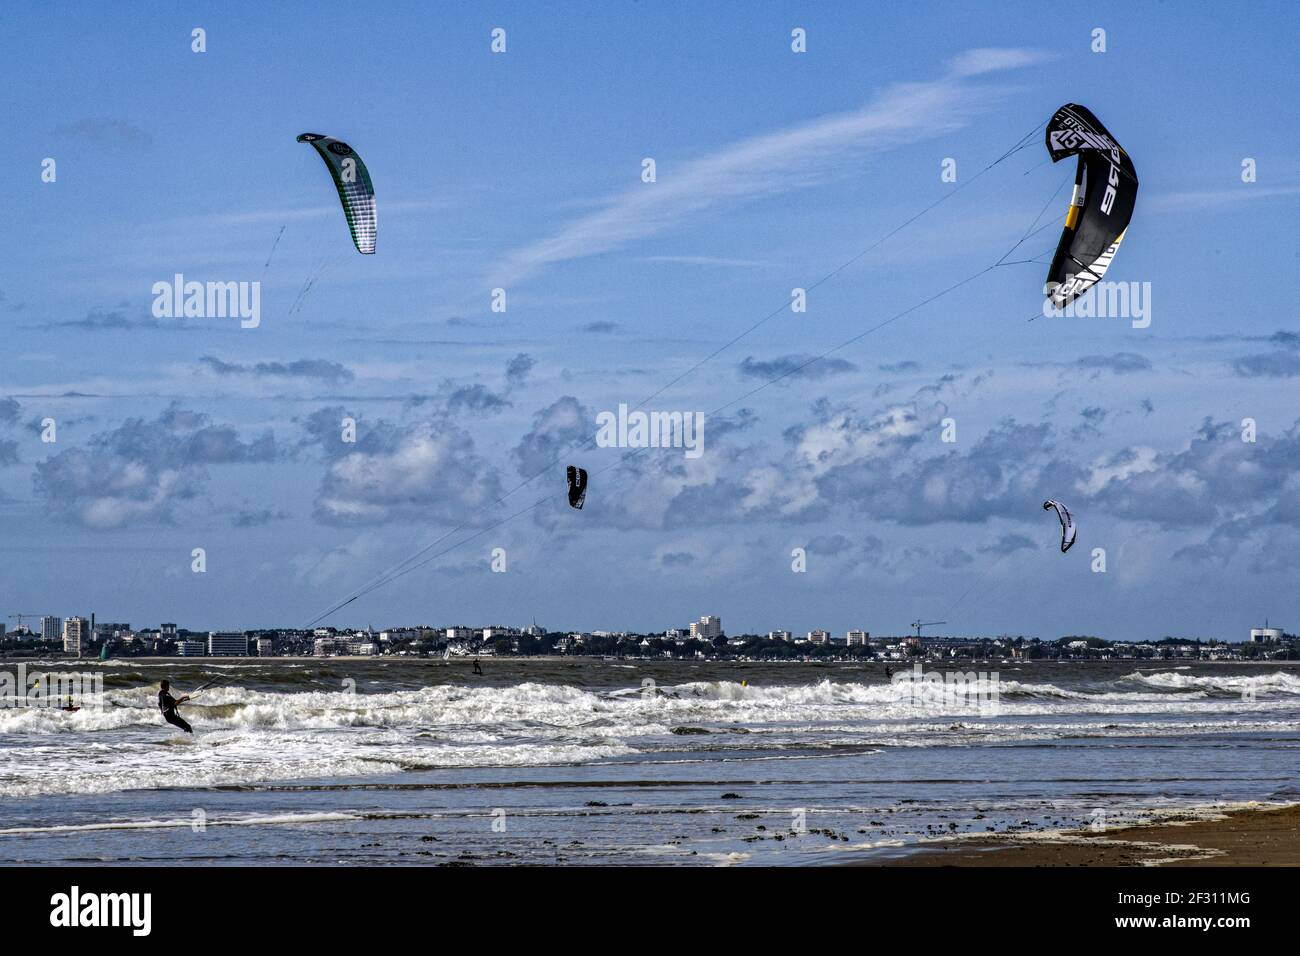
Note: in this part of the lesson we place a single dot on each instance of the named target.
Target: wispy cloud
(252, 217)
(706, 261)
(256, 519)
(1205, 198)
(300, 368)
(1121, 363)
(773, 163)
(1270, 365)
(794, 366)
(112, 320)
(992, 59)
(105, 131)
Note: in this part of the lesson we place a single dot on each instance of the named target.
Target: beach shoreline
(1250, 836)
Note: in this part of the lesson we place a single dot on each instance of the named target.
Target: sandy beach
(1248, 837)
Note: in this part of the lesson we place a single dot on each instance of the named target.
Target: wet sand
(1250, 837)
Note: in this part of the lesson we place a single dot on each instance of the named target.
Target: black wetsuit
(477, 669)
(167, 704)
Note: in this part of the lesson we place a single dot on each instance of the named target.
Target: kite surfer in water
(167, 704)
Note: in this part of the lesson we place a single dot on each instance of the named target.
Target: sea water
(569, 760)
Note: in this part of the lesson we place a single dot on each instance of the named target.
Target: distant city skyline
(706, 628)
(191, 468)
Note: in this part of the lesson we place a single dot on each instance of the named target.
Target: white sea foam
(1278, 682)
(247, 736)
(186, 823)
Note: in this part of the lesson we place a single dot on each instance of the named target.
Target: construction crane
(920, 624)
(21, 616)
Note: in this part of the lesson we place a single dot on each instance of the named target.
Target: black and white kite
(1105, 191)
(577, 486)
(1068, 529)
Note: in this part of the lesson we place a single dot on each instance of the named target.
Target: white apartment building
(76, 634)
(707, 628)
(227, 644)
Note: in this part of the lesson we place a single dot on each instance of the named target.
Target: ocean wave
(248, 735)
(233, 758)
(529, 707)
(1278, 682)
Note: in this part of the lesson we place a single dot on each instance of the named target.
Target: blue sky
(523, 170)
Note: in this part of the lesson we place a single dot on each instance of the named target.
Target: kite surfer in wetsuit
(167, 704)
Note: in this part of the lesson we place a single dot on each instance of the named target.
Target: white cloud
(426, 472)
(841, 439)
(1200, 199)
(772, 163)
(1134, 461)
(991, 59)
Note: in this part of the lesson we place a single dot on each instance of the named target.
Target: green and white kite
(356, 191)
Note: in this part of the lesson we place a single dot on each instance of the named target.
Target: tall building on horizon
(707, 628)
(75, 635)
(52, 628)
(227, 644)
